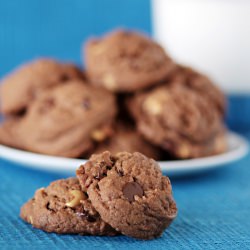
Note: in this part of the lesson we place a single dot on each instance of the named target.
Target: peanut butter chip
(78, 196)
(109, 82)
(31, 220)
(184, 151)
(131, 189)
(98, 135)
(153, 106)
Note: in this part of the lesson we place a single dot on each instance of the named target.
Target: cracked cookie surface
(200, 84)
(66, 120)
(179, 120)
(63, 208)
(129, 192)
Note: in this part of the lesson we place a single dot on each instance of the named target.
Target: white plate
(238, 148)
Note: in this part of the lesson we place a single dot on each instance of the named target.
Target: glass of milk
(211, 35)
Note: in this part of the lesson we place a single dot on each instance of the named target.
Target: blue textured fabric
(214, 210)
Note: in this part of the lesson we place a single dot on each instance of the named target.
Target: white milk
(210, 35)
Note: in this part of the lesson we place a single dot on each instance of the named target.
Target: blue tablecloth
(214, 208)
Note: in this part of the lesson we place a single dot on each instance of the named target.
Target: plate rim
(66, 165)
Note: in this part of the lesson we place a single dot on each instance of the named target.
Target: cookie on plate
(66, 120)
(64, 208)
(126, 138)
(22, 86)
(125, 61)
(8, 133)
(180, 121)
(129, 192)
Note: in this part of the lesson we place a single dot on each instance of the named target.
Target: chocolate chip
(49, 208)
(86, 103)
(97, 187)
(131, 189)
(21, 112)
(86, 215)
(47, 205)
(91, 218)
(64, 77)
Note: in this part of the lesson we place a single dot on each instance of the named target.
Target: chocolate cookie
(23, 85)
(125, 61)
(179, 120)
(63, 208)
(8, 133)
(66, 120)
(129, 192)
(201, 84)
(126, 138)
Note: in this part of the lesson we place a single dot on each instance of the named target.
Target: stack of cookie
(131, 97)
(112, 194)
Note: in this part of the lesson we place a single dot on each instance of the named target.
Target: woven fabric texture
(214, 212)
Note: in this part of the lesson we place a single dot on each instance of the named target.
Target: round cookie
(8, 133)
(66, 120)
(22, 86)
(125, 61)
(126, 138)
(179, 120)
(63, 208)
(217, 144)
(129, 192)
(201, 84)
